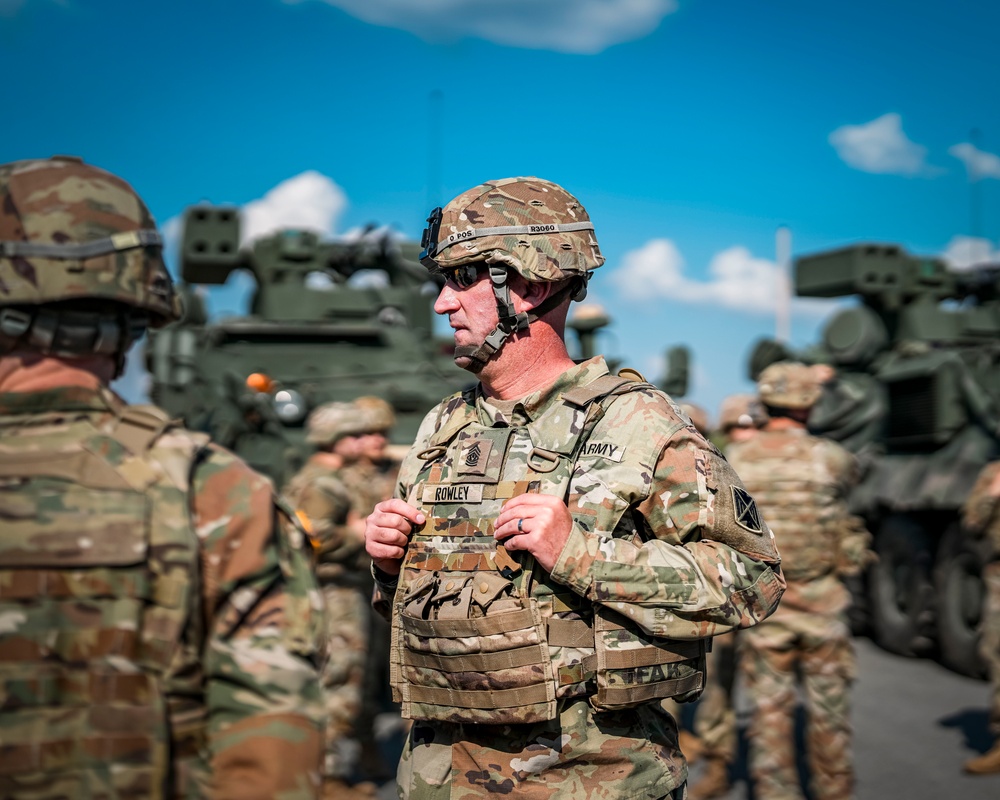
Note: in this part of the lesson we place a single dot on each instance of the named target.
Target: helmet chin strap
(508, 320)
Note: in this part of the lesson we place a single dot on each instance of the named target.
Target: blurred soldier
(330, 492)
(698, 417)
(982, 518)
(801, 483)
(740, 418)
(161, 621)
(562, 541)
(373, 479)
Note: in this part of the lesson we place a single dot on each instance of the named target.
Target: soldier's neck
(327, 459)
(525, 364)
(783, 424)
(35, 372)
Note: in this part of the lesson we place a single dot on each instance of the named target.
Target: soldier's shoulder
(218, 469)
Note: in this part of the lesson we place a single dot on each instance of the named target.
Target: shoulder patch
(745, 510)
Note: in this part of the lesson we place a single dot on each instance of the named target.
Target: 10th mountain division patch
(745, 511)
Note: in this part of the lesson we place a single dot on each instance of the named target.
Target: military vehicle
(327, 321)
(917, 398)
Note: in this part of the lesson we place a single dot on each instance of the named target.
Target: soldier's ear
(532, 293)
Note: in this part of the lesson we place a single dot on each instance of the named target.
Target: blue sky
(691, 130)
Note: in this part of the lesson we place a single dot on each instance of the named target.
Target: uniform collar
(67, 398)
(528, 408)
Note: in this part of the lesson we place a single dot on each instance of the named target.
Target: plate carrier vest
(481, 637)
(98, 598)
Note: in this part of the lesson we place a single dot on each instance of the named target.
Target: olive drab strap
(97, 558)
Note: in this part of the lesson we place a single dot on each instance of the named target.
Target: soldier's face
(471, 312)
(372, 446)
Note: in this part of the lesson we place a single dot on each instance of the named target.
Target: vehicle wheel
(959, 590)
(900, 590)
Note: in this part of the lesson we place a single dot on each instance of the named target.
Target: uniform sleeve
(263, 621)
(326, 502)
(691, 558)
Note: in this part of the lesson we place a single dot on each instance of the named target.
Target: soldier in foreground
(982, 517)
(740, 418)
(161, 621)
(802, 483)
(562, 543)
(331, 493)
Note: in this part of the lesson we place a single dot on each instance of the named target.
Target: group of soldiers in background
(800, 483)
(237, 653)
(333, 493)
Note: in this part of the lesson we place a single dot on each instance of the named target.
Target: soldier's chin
(465, 363)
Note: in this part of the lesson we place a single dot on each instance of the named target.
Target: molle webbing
(99, 564)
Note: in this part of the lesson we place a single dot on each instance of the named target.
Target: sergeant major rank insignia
(472, 455)
(745, 511)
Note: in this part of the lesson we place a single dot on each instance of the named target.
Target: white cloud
(737, 280)
(881, 146)
(309, 201)
(965, 252)
(566, 26)
(978, 163)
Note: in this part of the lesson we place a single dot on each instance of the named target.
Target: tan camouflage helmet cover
(789, 384)
(742, 411)
(69, 230)
(331, 421)
(532, 225)
(378, 413)
(697, 415)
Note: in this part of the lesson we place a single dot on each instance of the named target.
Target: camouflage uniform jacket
(153, 592)
(322, 494)
(665, 564)
(801, 484)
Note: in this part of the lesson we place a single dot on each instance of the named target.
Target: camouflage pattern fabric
(663, 534)
(109, 513)
(62, 200)
(548, 255)
(801, 483)
(981, 516)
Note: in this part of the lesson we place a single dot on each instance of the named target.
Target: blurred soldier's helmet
(529, 225)
(331, 421)
(742, 411)
(76, 241)
(378, 413)
(697, 415)
(789, 384)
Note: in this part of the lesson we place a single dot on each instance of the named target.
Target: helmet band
(127, 240)
(432, 247)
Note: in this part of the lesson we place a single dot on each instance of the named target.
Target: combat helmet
(529, 225)
(789, 384)
(81, 269)
(378, 413)
(742, 411)
(331, 421)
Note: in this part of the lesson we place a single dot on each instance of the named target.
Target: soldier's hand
(538, 523)
(387, 533)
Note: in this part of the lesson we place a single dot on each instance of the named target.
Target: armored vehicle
(917, 397)
(327, 321)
